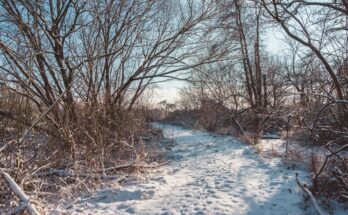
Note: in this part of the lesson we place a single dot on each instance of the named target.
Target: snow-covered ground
(207, 174)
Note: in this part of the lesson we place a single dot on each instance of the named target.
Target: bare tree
(324, 40)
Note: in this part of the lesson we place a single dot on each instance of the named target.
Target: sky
(169, 91)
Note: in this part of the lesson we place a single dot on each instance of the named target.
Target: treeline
(73, 75)
(89, 63)
(310, 74)
(300, 93)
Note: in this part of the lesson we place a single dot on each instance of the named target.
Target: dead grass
(78, 158)
(246, 138)
(259, 148)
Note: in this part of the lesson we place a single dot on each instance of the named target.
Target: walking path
(208, 174)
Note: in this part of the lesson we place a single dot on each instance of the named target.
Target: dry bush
(152, 115)
(330, 173)
(259, 148)
(15, 112)
(188, 118)
(322, 129)
(54, 163)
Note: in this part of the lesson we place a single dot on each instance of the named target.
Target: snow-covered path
(208, 174)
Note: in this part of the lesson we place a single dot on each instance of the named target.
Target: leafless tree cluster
(76, 71)
(302, 91)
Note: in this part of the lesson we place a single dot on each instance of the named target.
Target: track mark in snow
(209, 174)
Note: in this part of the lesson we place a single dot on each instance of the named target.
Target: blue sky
(275, 45)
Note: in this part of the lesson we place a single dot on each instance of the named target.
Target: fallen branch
(238, 125)
(57, 172)
(4, 147)
(18, 191)
(72, 173)
(122, 166)
(19, 209)
(304, 187)
(317, 174)
(154, 165)
(7, 145)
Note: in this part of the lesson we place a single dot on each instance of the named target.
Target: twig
(17, 190)
(26, 134)
(71, 173)
(19, 209)
(122, 166)
(327, 159)
(152, 165)
(304, 187)
(6, 145)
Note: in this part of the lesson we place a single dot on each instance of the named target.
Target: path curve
(208, 174)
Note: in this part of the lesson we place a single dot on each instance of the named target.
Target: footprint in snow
(274, 183)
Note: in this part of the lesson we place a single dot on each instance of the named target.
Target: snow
(207, 174)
